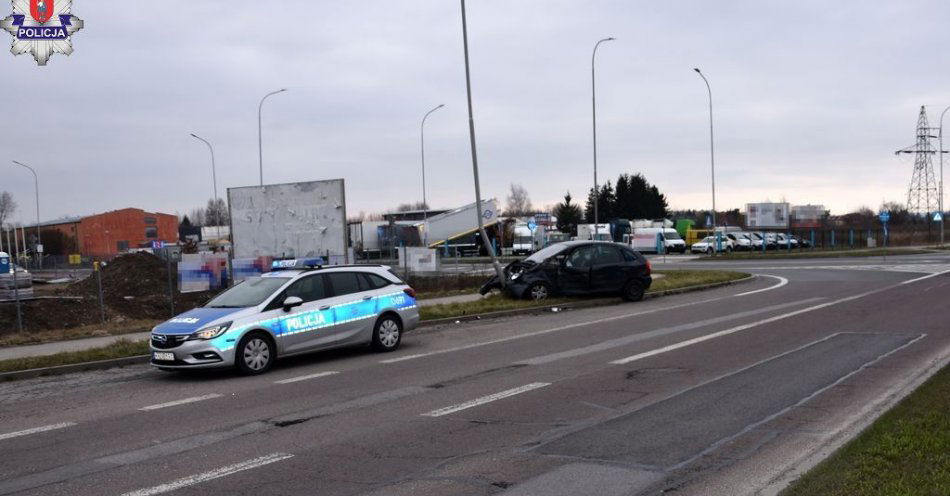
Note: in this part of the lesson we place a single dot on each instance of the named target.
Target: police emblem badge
(42, 28)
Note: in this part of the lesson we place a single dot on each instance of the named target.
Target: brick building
(109, 233)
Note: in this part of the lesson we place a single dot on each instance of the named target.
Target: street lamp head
(282, 90)
(193, 135)
(440, 105)
(697, 70)
(611, 39)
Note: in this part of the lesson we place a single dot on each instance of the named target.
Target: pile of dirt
(134, 286)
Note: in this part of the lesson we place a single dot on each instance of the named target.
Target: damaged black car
(577, 268)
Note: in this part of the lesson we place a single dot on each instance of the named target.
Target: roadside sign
(885, 216)
(532, 225)
(158, 245)
(938, 217)
(75, 259)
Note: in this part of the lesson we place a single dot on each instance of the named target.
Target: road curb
(73, 367)
(138, 359)
(600, 302)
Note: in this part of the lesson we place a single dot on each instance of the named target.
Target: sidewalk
(87, 343)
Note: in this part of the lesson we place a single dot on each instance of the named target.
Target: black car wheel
(633, 291)
(538, 291)
(709, 251)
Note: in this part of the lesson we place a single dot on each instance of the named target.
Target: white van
(671, 239)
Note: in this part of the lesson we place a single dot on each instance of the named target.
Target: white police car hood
(200, 318)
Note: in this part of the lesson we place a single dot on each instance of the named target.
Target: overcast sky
(811, 100)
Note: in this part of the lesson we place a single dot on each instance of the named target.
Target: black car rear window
(607, 255)
(630, 256)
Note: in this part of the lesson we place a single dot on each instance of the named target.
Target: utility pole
(425, 204)
(471, 133)
(942, 211)
(39, 242)
(712, 148)
(260, 139)
(593, 99)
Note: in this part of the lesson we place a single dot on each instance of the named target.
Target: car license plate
(165, 356)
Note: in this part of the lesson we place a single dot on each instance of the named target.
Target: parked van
(644, 239)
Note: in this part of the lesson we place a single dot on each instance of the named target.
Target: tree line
(633, 197)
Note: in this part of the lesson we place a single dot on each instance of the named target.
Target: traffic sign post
(885, 217)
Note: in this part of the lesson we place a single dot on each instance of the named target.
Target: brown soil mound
(133, 286)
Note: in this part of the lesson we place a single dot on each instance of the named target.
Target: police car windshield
(252, 292)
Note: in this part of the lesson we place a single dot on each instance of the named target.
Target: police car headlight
(210, 332)
(515, 276)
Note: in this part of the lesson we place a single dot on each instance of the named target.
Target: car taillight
(411, 292)
(649, 267)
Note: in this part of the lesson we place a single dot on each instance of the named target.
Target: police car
(298, 307)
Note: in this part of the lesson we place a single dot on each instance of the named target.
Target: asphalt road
(728, 391)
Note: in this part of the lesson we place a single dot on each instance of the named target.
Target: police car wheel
(254, 354)
(387, 334)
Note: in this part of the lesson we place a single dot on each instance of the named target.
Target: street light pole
(941, 175)
(593, 99)
(425, 205)
(471, 134)
(214, 183)
(36, 184)
(712, 149)
(260, 139)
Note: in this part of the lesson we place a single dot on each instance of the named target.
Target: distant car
(298, 307)
(577, 268)
(23, 287)
(708, 245)
(741, 241)
(783, 241)
(802, 242)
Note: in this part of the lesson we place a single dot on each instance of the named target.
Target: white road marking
(781, 282)
(214, 474)
(485, 399)
(642, 336)
(36, 430)
(926, 277)
(179, 402)
(307, 377)
(690, 342)
(554, 329)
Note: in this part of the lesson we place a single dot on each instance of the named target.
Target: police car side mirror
(291, 302)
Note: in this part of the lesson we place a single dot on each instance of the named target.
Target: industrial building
(108, 234)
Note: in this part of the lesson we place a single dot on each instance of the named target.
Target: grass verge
(779, 254)
(110, 328)
(120, 349)
(674, 279)
(906, 452)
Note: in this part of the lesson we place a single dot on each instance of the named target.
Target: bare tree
(408, 207)
(216, 213)
(7, 206)
(519, 204)
(197, 217)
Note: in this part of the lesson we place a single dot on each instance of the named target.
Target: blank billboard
(292, 220)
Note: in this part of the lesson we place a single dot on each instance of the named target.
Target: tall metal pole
(712, 148)
(425, 205)
(941, 175)
(260, 139)
(214, 183)
(593, 99)
(36, 184)
(471, 133)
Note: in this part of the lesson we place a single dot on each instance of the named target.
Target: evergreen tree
(568, 215)
(606, 204)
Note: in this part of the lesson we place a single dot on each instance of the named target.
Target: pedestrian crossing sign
(938, 217)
